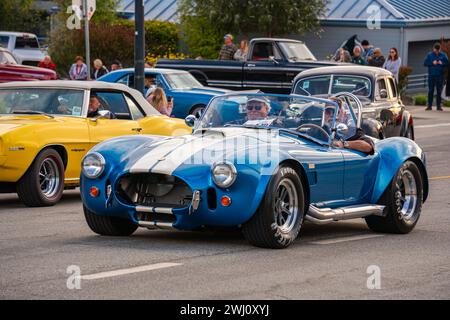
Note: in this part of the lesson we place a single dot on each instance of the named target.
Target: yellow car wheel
(43, 183)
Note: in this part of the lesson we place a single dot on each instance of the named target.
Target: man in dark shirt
(358, 141)
(355, 138)
(94, 104)
(436, 61)
(228, 49)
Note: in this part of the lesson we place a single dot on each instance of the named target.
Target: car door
(260, 72)
(395, 106)
(383, 103)
(123, 124)
(360, 172)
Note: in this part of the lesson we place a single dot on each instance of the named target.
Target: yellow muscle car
(47, 127)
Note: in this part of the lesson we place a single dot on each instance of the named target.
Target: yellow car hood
(9, 123)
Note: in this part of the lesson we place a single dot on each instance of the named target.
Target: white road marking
(121, 272)
(432, 125)
(346, 239)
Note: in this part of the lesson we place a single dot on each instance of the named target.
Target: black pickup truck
(271, 66)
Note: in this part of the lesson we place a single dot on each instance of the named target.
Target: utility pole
(139, 45)
(86, 37)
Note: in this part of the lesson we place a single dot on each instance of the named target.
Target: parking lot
(37, 245)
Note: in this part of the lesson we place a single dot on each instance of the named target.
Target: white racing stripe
(347, 239)
(432, 125)
(184, 153)
(161, 149)
(121, 272)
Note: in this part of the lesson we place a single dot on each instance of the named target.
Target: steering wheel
(315, 126)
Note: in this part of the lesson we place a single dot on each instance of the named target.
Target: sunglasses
(256, 107)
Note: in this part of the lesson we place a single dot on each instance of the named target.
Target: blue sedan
(190, 96)
(263, 163)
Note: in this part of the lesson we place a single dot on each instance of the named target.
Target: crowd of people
(351, 52)
(368, 55)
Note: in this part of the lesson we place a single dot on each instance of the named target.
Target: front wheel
(43, 183)
(279, 218)
(108, 226)
(403, 200)
(197, 111)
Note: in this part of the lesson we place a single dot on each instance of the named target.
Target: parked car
(190, 96)
(384, 112)
(266, 167)
(10, 70)
(24, 46)
(45, 131)
(271, 66)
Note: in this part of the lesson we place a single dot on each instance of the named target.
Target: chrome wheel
(49, 178)
(406, 196)
(197, 112)
(286, 205)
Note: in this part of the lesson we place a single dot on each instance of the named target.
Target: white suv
(24, 46)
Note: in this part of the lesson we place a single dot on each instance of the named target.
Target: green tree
(206, 21)
(20, 15)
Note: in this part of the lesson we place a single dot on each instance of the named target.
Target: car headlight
(224, 174)
(93, 165)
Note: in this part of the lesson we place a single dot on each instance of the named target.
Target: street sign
(91, 6)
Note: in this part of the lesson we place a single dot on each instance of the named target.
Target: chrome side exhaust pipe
(327, 215)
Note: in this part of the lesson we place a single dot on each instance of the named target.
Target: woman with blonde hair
(99, 69)
(242, 52)
(160, 102)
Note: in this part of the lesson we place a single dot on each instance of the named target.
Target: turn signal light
(225, 201)
(94, 192)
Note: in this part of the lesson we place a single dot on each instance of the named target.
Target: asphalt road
(37, 245)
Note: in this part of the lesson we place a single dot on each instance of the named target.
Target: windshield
(359, 86)
(41, 101)
(7, 58)
(308, 117)
(27, 43)
(296, 51)
(182, 81)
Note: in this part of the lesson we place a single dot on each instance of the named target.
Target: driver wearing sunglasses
(258, 108)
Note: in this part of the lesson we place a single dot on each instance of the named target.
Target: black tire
(196, 110)
(109, 226)
(263, 229)
(394, 221)
(29, 187)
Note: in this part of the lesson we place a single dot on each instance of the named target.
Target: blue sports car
(263, 163)
(189, 95)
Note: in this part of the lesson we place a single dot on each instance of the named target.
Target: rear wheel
(279, 218)
(403, 200)
(43, 183)
(108, 226)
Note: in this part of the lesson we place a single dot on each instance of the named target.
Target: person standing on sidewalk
(393, 62)
(228, 49)
(436, 61)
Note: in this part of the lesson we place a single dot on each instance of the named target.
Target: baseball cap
(228, 36)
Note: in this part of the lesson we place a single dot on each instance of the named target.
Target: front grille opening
(154, 190)
(212, 198)
(158, 217)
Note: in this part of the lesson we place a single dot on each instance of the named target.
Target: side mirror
(342, 129)
(272, 58)
(190, 120)
(104, 114)
(383, 94)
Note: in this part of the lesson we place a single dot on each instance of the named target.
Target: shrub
(420, 100)
(403, 74)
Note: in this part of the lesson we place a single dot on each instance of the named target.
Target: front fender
(406, 120)
(393, 153)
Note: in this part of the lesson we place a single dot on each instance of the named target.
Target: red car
(10, 70)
